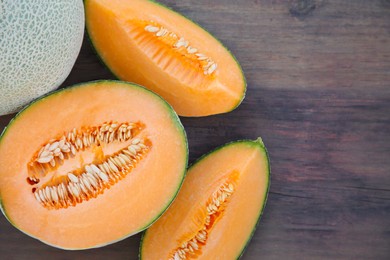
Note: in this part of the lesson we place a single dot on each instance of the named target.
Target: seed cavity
(91, 179)
(207, 65)
(57, 150)
(215, 207)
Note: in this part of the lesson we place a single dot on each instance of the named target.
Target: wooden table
(318, 76)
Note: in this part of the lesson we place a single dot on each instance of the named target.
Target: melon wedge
(215, 214)
(91, 164)
(144, 42)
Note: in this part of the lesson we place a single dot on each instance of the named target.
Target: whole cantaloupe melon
(39, 44)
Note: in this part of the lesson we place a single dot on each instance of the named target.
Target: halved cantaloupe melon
(144, 42)
(216, 211)
(91, 164)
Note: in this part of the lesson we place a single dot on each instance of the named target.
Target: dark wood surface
(318, 76)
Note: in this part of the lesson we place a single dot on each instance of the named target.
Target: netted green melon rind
(39, 44)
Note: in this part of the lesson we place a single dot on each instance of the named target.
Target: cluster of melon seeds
(92, 179)
(215, 206)
(182, 45)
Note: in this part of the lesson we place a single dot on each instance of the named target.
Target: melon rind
(39, 44)
(175, 119)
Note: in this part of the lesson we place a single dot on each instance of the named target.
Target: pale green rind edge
(104, 63)
(175, 119)
(260, 144)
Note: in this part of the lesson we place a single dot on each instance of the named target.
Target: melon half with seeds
(216, 212)
(39, 44)
(144, 42)
(92, 164)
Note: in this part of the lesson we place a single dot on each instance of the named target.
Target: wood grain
(318, 75)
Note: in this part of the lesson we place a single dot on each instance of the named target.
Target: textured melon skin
(175, 118)
(40, 41)
(259, 144)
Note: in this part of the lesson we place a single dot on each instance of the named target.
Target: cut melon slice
(91, 164)
(216, 211)
(144, 42)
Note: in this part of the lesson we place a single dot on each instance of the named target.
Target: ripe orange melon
(144, 42)
(215, 214)
(92, 164)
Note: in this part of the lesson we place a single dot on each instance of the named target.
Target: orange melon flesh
(117, 31)
(126, 207)
(244, 164)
